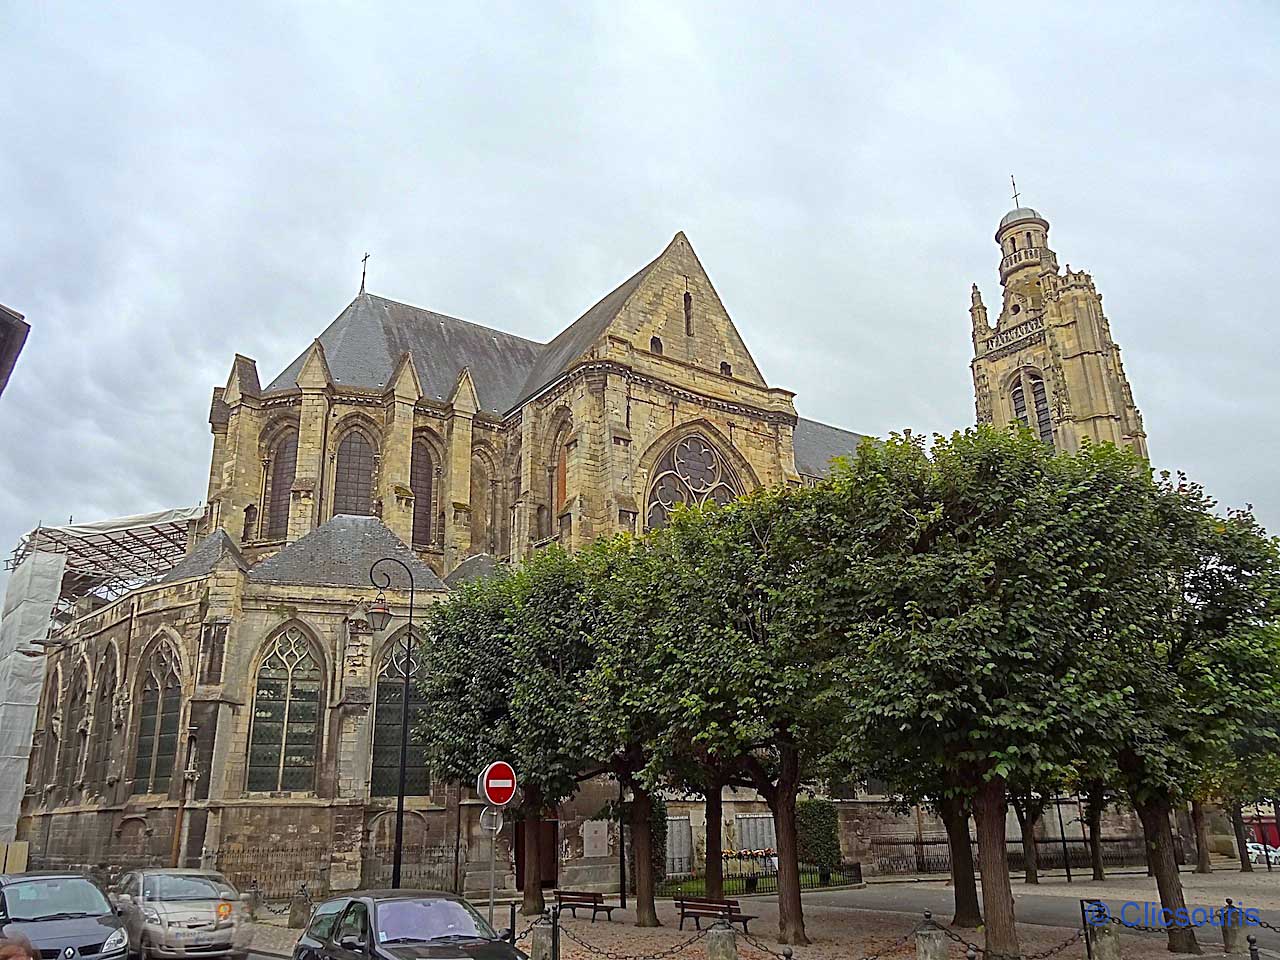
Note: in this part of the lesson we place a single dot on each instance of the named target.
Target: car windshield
(42, 898)
(185, 886)
(429, 918)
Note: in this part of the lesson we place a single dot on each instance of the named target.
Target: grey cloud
(179, 186)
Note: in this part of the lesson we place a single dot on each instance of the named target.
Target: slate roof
(473, 568)
(364, 343)
(816, 443)
(577, 338)
(202, 561)
(339, 554)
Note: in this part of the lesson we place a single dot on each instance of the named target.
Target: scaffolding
(107, 559)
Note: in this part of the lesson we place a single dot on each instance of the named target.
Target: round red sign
(498, 783)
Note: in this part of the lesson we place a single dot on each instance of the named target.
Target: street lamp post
(380, 619)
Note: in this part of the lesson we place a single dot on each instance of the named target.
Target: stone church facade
(241, 713)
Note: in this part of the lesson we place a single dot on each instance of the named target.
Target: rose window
(691, 472)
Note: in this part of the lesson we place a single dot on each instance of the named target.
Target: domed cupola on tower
(1023, 236)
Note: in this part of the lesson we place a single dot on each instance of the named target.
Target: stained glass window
(692, 472)
(421, 476)
(103, 722)
(385, 778)
(353, 476)
(283, 466)
(286, 716)
(159, 707)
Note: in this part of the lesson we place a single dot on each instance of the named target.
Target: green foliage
(818, 833)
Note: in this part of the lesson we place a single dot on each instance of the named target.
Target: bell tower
(1049, 361)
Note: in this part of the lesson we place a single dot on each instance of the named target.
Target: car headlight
(152, 915)
(118, 940)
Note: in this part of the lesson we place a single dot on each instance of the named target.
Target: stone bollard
(1232, 942)
(722, 944)
(1253, 947)
(1105, 939)
(299, 911)
(931, 942)
(540, 941)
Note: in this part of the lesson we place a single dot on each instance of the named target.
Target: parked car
(172, 913)
(64, 915)
(1259, 850)
(401, 925)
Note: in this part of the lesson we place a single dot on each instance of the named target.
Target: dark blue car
(64, 915)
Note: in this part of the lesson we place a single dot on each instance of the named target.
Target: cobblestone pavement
(836, 934)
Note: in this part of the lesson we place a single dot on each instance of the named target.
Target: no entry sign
(497, 784)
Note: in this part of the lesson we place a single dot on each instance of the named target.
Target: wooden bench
(571, 900)
(699, 907)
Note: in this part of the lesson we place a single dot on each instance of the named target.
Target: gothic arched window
(282, 467)
(353, 476)
(389, 699)
(692, 472)
(286, 716)
(1043, 425)
(159, 707)
(421, 477)
(560, 490)
(75, 738)
(104, 695)
(43, 769)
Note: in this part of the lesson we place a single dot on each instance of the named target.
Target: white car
(1258, 850)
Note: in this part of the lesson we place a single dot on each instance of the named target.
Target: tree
(1201, 676)
(505, 672)
(981, 579)
(747, 657)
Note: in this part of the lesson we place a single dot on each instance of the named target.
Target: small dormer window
(726, 369)
(655, 345)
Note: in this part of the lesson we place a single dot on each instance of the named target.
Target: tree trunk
(964, 887)
(1024, 809)
(782, 802)
(533, 903)
(715, 842)
(1154, 814)
(642, 857)
(1095, 801)
(1242, 838)
(989, 811)
(1201, 829)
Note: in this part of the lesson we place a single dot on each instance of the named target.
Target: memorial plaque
(595, 838)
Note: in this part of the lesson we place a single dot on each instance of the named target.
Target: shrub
(818, 833)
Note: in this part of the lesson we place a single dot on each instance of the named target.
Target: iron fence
(912, 855)
(756, 877)
(277, 869)
(432, 866)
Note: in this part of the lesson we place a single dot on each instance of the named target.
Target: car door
(350, 938)
(324, 922)
(131, 913)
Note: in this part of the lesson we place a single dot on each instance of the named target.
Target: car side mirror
(505, 934)
(124, 899)
(246, 898)
(352, 942)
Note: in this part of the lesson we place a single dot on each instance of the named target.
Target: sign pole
(493, 852)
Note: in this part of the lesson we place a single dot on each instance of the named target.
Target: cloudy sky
(177, 187)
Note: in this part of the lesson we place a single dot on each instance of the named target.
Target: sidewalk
(836, 934)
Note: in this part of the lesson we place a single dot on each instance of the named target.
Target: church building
(240, 711)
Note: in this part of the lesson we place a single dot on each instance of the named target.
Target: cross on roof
(1011, 180)
(364, 266)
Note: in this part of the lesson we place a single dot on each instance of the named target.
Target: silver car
(174, 914)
